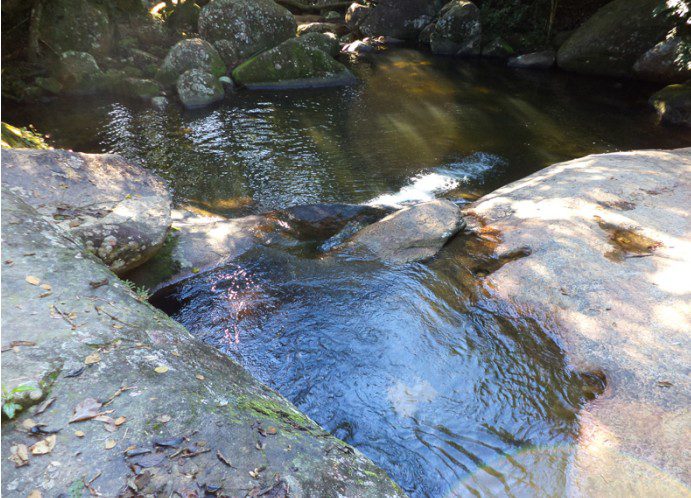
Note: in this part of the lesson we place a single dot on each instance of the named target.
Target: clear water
(416, 365)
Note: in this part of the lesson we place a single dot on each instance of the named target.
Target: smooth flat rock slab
(119, 210)
(608, 272)
(414, 233)
(194, 420)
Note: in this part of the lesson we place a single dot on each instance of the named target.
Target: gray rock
(355, 15)
(121, 212)
(197, 88)
(458, 30)
(607, 275)
(357, 47)
(667, 62)
(535, 60)
(673, 104)
(321, 27)
(292, 65)
(191, 53)
(240, 29)
(79, 73)
(159, 102)
(402, 19)
(414, 233)
(326, 42)
(205, 395)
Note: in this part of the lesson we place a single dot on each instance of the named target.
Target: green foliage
(525, 24)
(140, 293)
(10, 407)
(13, 137)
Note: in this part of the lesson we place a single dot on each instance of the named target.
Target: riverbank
(609, 243)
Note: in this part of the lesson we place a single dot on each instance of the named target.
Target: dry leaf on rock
(200, 377)
(161, 369)
(110, 444)
(44, 446)
(120, 420)
(86, 410)
(109, 423)
(79, 433)
(33, 280)
(29, 424)
(92, 358)
(19, 455)
(35, 494)
(46, 287)
(164, 419)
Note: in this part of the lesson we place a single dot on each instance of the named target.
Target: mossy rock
(458, 30)
(64, 25)
(79, 73)
(21, 138)
(326, 42)
(610, 42)
(50, 85)
(673, 104)
(292, 64)
(197, 88)
(192, 53)
(240, 29)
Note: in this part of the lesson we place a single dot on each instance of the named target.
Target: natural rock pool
(415, 365)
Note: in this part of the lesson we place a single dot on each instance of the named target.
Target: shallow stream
(415, 365)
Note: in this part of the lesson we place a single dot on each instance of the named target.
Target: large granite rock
(177, 417)
(121, 212)
(668, 62)
(293, 64)
(240, 29)
(197, 88)
(612, 40)
(673, 104)
(402, 19)
(191, 53)
(414, 233)
(78, 73)
(458, 30)
(607, 250)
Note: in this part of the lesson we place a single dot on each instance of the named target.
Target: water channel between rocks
(414, 365)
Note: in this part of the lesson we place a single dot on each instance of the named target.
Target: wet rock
(50, 85)
(240, 29)
(357, 47)
(79, 73)
(673, 104)
(191, 53)
(620, 318)
(535, 60)
(355, 15)
(499, 49)
(667, 62)
(458, 31)
(326, 42)
(121, 212)
(197, 88)
(70, 25)
(402, 19)
(414, 233)
(217, 415)
(159, 102)
(322, 27)
(140, 88)
(292, 65)
(321, 221)
(614, 38)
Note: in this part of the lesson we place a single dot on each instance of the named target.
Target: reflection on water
(410, 113)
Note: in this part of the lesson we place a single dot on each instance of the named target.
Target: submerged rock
(673, 104)
(191, 53)
(197, 88)
(613, 39)
(121, 212)
(536, 60)
(292, 65)
(414, 233)
(668, 62)
(458, 30)
(240, 29)
(159, 380)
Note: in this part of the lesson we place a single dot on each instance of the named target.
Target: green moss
(13, 137)
(274, 410)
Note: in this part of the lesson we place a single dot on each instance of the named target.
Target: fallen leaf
(110, 444)
(86, 410)
(271, 431)
(33, 280)
(161, 369)
(259, 445)
(164, 419)
(44, 406)
(19, 455)
(29, 424)
(92, 358)
(79, 433)
(173, 442)
(108, 422)
(44, 446)
(46, 287)
(35, 494)
(200, 377)
(120, 420)
(223, 458)
(175, 353)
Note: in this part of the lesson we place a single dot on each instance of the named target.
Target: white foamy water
(428, 186)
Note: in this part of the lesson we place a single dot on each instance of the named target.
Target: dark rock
(536, 60)
(197, 88)
(355, 15)
(458, 30)
(402, 19)
(667, 62)
(292, 65)
(499, 49)
(357, 47)
(78, 73)
(673, 104)
(322, 27)
(121, 212)
(191, 53)
(240, 29)
(326, 42)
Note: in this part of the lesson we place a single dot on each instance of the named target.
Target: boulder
(240, 29)
(414, 233)
(535, 60)
(667, 62)
(78, 73)
(673, 104)
(402, 19)
(326, 42)
(355, 15)
(458, 30)
(357, 47)
(499, 49)
(614, 38)
(292, 65)
(163, 382)
(191, 53)
(76, 25)
(197, 88)
(322, 27)
(120, 212)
